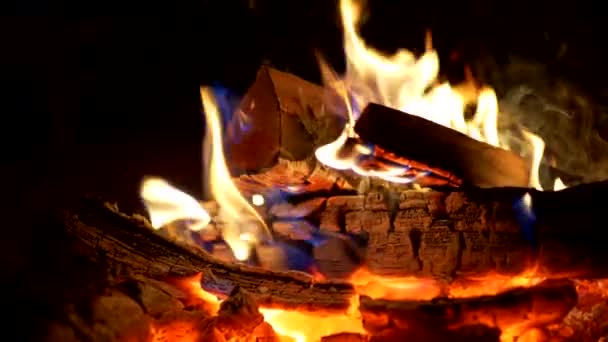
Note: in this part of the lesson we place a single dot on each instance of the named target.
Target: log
(456, 234)
(281, 116)
(142, 309)
(105, 234)
(447, 235)
(291, 178)
(444, 150)
(512, 312)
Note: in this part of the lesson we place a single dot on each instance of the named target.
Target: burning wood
(449, 233)
(288, 299)
(281, 116)
(458, 263)
(439, 148)
(511, 312)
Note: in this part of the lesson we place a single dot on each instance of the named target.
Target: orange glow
(492, 284)
(302, 326)
(375, 286)
(192, 288)
(182, 331)
(312, 326)
(412, 288)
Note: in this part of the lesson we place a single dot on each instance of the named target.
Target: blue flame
(297, 259)
(228, 105)
(524, 213)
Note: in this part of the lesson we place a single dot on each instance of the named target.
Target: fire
(410, 84)
(492, 284)
(192, 287)
(243, 223)
(302, 326)
(412, 288)
(376, 286)
(167, 204)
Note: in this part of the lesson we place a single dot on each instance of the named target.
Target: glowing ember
(301, 326)
(375, 286)
(412, 288)
(492, 284)
(196, 295)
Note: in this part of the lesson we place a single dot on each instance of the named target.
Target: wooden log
(443, 235)
(451, 234)
(291, 178)
(105, 234)
(512, 312)
(281, 116)
(444, 150)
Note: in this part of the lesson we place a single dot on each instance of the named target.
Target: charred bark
(514, 311)
(281, 116)
(432, 234)
(105, 234)
(456, 233)
(443, 150)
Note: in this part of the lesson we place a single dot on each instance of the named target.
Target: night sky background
(96, 94)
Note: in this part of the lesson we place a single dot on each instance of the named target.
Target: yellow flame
(302, 326)
(407, 83)
(559, 185)
(243, 227)
(166, 204)
(538, 148)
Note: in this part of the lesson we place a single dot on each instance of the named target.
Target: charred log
(104, 234)
(514, 311)
(457, 234)
(443, 150)
(281, 116)
(443, 235)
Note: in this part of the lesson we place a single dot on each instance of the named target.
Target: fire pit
(367, 209)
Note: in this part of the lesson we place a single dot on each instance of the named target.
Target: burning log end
(444, 150)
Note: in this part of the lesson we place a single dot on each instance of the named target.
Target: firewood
(280, 116)
(290, 178)
(520, 309)
(445, 151)
(448, 235)
(458, 234)
(105, 234)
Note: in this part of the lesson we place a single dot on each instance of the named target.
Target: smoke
(562, 114)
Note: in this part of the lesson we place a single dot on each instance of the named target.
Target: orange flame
(242, 225)
(242, 222)
(407, 83)
(302, 326)
(396, 288)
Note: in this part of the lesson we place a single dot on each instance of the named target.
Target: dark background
(97, 94)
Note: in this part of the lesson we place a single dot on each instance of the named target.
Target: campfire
(371, 208)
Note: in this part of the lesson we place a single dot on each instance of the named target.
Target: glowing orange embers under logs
(523, 309)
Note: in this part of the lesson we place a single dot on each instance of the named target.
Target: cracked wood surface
(429, 234)
(106, 234)
(451, 233)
